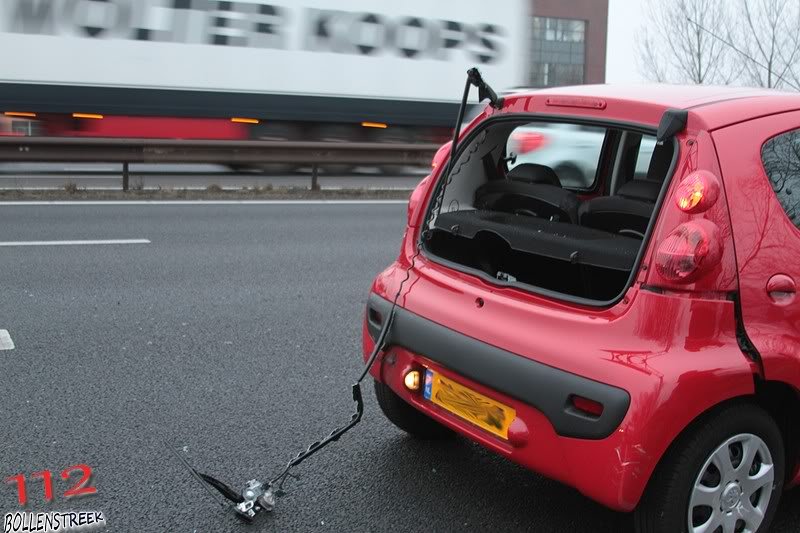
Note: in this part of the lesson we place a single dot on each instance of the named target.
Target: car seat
(628, 212)
(532, 190)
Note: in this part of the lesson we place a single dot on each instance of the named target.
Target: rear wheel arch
(779, 399)
(782, 401)
(662, 508)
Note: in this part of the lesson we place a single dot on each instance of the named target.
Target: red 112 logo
(80, 488)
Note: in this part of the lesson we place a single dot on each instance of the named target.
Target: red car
(637, 338)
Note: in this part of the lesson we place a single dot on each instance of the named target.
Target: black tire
(394, 170)
(665, 504)
(277, 131)
(244, 169)
(394, 135)
(342, 133)
(405, 417)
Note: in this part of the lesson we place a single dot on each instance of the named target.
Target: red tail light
(691, 249)
(529, 141)
(585, 405)
(697, 192)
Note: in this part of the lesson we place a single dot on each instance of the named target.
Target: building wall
(595, 15)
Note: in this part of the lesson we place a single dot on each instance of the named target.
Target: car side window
(572, 151)
(781, 158)
(644, 156)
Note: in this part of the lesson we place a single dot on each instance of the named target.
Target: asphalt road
(234, 335)
(99, 176)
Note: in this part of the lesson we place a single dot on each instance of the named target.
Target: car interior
(509, 217)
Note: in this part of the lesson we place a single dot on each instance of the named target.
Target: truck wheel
(338, 133)
(393, 135)
(277, 131)
(238, 167)
(405, 417)
(724, 475)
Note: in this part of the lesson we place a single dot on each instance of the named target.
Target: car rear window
(571, 150)
(512, 210)
(781, 158)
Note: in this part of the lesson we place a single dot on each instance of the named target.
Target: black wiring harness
(256, 496)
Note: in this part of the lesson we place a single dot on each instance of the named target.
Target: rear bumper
(656, 362)
(545, 388)
(542, 436)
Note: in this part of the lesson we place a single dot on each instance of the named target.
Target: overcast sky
(624, 19)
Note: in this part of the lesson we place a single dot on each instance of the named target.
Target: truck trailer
(251, 69)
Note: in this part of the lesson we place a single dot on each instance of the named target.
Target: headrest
(645, 190)
(533, 173)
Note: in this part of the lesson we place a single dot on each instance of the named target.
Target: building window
(558, 51)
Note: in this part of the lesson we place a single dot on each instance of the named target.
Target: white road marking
(5, 340)
(74, 243)
(204, 202)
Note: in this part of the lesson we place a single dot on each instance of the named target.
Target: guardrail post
(125, 176)
(314, 177)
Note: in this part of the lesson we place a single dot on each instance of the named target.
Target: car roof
(710, 107)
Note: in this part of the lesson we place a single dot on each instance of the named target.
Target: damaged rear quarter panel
(677, 357)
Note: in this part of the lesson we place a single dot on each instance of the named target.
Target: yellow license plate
(465, 403)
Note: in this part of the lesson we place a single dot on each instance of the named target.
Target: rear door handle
(781, 289)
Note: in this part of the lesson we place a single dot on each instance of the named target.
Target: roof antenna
(743, 53)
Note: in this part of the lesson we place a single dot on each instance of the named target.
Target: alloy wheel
(732, 491)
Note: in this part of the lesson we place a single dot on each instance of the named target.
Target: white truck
(282, 69)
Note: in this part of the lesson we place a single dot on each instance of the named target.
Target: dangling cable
(380, 343)
(258, 496)
(206, 481)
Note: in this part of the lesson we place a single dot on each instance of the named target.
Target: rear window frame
(470, 136)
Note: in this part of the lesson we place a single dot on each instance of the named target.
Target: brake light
(691, 249)
(576, 101)
(529, 141)
(697, 192)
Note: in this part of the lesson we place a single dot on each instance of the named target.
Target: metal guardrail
(113, 150)
(126, 151)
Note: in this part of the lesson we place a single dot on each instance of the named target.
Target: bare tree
(744, 42)
(672, 48)
(766, 31)
(650, 61)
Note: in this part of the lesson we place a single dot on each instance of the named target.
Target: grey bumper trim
(543, 387)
